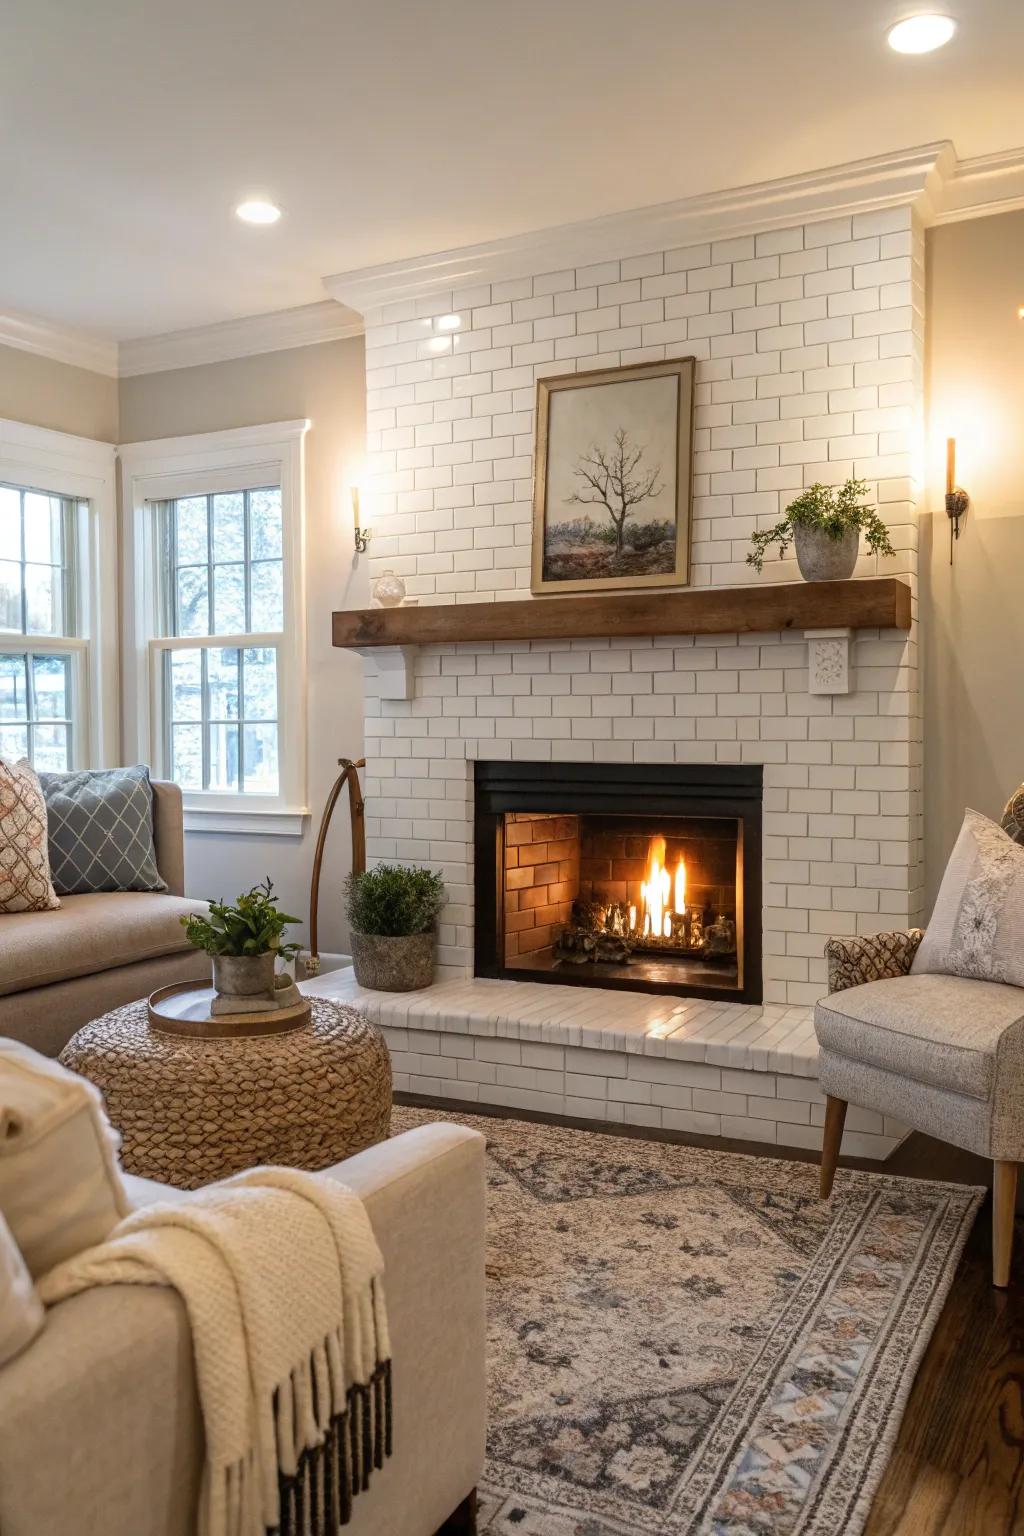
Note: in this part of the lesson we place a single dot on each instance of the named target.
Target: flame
(680, 887)
(657, 904)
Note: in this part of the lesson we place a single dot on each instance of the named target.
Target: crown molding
(883, 181)
(930, 179)
(983, 185)
(60, 343)
(305, 326)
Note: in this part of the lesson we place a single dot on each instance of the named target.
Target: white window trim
(85, 470)
(161, 470)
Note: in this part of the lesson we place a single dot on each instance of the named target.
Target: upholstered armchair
(944, 1054)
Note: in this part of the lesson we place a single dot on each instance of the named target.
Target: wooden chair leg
(835, 1119)
(1004, 1201)
(461, 1521)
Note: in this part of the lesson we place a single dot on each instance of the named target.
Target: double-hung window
(219, 622)
(222, 581)
(57, 673)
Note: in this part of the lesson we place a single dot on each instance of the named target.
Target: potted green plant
(825, 524)
(392, 910)
(243, 941)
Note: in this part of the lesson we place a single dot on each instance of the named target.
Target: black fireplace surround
(557, 843)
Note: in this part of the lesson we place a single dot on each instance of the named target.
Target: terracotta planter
(823, 559)
(386, 964)
(244, 975)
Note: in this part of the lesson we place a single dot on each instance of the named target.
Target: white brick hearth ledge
(670, 1063)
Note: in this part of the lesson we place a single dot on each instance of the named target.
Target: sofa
(60, 969)
(100, 1428)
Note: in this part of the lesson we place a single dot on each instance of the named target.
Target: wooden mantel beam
(874, 603)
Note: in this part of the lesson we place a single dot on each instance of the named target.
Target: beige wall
(325, 384)
(973, 612)
(55, 395)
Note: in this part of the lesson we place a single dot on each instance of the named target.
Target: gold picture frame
(619, 441)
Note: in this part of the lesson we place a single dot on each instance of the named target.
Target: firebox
(620, 875)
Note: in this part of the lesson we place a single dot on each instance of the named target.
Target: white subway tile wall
(809, 367)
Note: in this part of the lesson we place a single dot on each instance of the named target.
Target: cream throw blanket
(281, 1276)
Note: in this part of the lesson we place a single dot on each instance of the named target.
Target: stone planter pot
(823, 559)
(244, 975)
(386, 964)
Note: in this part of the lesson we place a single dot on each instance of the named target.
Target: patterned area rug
(691, 1343)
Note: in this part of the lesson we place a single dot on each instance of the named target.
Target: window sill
(248, 821)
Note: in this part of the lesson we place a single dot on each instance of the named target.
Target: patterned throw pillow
(977, 927)
(1013, 815)
(101, 831)
(25, 884)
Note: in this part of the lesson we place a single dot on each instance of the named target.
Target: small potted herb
(243, 941)
(825, 525)
(393, 910)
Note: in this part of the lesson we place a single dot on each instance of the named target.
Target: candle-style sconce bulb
(956, 499)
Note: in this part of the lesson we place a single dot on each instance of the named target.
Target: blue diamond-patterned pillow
(100, 824)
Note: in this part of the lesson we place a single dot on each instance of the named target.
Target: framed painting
(613, 482)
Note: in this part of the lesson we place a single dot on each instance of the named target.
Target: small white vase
(389, 590)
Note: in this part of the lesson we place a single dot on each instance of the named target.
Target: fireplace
(646, 877)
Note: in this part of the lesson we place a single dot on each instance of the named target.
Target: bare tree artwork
(616, 480)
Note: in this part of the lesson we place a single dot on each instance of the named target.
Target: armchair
(944, 1054)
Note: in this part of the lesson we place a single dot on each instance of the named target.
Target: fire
(662, 894)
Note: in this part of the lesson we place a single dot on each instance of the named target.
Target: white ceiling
(391, 128)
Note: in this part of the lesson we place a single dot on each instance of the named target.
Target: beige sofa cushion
(939, 1030)
(60, 1185)
(89, 934)
(46, 1017)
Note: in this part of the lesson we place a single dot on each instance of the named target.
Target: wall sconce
(362, 533)
(957, 500)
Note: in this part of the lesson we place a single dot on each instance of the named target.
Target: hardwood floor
(958, 1466)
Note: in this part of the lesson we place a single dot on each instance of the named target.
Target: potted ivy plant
(244, 941)
(392, 911)
(825, 525)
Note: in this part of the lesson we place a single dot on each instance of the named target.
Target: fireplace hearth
(620, 875)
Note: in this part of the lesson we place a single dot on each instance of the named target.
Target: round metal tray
(184, 1009)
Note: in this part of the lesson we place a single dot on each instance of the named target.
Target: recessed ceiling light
(921, 34)
(256, 211)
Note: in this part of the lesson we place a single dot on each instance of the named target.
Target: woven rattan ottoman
(192, 1110)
